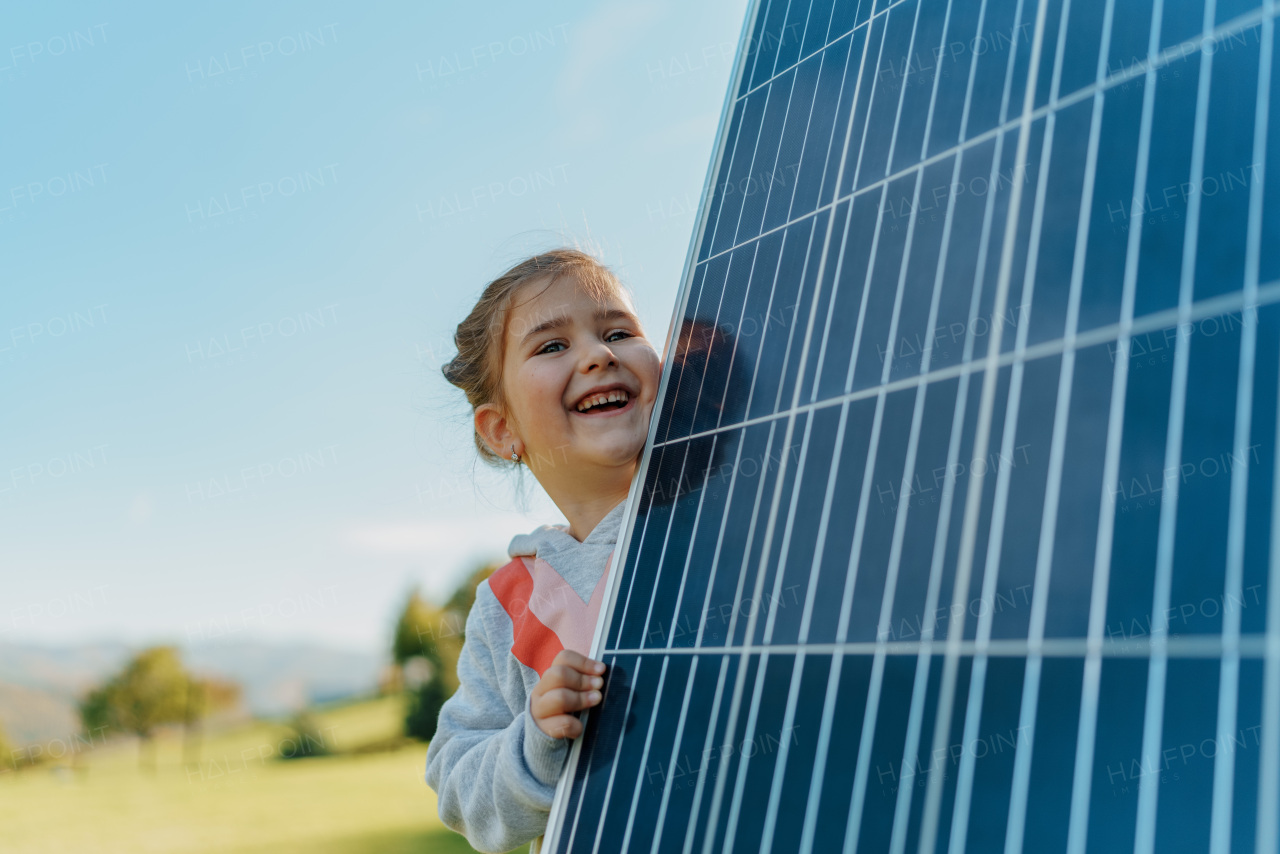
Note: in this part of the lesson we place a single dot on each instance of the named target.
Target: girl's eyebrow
(562, 320)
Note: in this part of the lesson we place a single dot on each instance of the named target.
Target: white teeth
(605, 397)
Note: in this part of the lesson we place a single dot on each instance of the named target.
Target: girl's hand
(569, 684)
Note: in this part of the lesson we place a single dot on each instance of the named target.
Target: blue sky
(236, 239)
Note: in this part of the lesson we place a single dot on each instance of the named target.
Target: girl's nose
(599, 353)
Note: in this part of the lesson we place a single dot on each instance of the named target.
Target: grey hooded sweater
(494, 771)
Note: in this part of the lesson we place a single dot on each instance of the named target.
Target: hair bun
(452, 371)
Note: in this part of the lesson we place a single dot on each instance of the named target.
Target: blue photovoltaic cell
(953, 532)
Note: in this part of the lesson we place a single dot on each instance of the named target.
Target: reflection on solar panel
(953, 532)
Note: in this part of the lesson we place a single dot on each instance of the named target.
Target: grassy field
(239, 797)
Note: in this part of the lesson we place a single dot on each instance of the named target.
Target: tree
(431, 633)
(151, 691)
(423, 710)
(459, 604)
(204, 695)
(433, 636)
(6, 753)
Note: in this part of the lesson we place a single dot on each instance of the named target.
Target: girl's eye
(543, 348)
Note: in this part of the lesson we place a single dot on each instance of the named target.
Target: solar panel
(953, 529)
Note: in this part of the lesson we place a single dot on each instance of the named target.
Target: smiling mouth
(605, 409)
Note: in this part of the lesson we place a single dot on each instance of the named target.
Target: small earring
(514, 455)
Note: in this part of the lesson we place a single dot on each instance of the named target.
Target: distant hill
(39, 685)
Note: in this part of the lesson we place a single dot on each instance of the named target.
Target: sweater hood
(579, 563)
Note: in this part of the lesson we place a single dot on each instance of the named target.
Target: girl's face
(563, 349)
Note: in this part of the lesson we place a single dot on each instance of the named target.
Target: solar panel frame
(965, 658)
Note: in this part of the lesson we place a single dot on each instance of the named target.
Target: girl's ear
(494, 428)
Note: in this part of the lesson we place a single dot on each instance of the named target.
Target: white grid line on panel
(784, 754)
(712, 343)
(1268, 832)
(923, 661)
(1031, 684)
(826, 157)
(977, 685)
(902, 807)
(650, 446)
(986, 406)
(786, 540)
(902, 94)
(784, 551)
(775, 790)
(1087, 726)
(661, 451)
(1268, 829)
(688, 560)
(617, 751)
(740, 676)
(773, 70)
(1168, 319)
(828, 703)
(811, 807)
(626, 607)
(666, 538)
(835, 280)
(753, 713)
(830, 41)
(750, 633)
(809, 423)
(1178, 646)
(702, 777)
(1130, 73)
(751, 168)
(764, 214)
(863, 764)
(732, 628)
(1153, 724)
(765, 341)
(1048, 516)
(644, 755)
(886, 609)
(1224, 761)
(755, 57)
(713, 183)
(838, 452)
(764, 557)
(729, 499)
(746, 299)
(698, 515)
(675, 756)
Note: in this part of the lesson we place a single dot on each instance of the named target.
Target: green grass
(239, 797)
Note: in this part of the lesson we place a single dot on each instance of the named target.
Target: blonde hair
(481, 337)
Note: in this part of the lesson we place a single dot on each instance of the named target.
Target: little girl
(561, 379)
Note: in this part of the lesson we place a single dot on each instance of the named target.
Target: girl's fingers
(579, 662)
(561, 726)
(573, 682)
(566, 676)
(559, 700)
